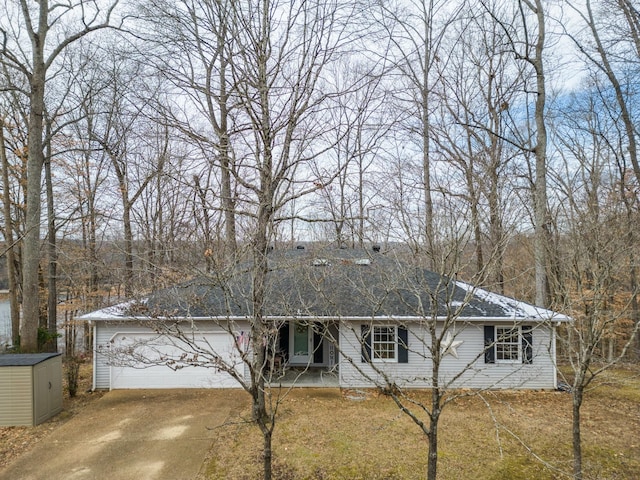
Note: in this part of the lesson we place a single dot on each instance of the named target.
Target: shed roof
(24, 359)
(330, 283)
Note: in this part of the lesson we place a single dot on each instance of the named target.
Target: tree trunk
(436, 396)
(576, 433)
(475, 216)
(426, 177)
(267, 454)
(432, 462)
(93, 251)
(261, 341)
(261, 332)
(120, 169)
(12, 274)
(201, 195)
(605, 66)
(224, 148)
(228, 200)
(52, 285)
(35, 161)
(496, 276)
(635, 315)
(540, 191)
(633, 279)
(497, 235)
(128, 247)
(361, 189)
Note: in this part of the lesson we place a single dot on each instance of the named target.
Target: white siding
(102, 334)
(111, 372)
(466, 371)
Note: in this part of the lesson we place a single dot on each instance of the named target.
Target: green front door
(300, 342)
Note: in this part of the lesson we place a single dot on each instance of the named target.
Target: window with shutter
(384, 343)
(508, 344)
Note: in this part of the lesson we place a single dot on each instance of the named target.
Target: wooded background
(143, 142)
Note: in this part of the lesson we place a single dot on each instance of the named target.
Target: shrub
(73, 372)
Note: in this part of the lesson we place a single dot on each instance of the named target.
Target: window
(384, 343)
(507, 344)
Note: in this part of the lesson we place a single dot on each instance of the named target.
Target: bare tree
(120, 128)
(285, 47)
(8, 233)
(416, 35)
(33, 57)
(609, 47)
(478, 88)
(526, 34)
(281, 51)
(409, 315)
(163, 218)
(601, 56)
(194, 49)
(86, 167)
(599, 244)
(365, 118)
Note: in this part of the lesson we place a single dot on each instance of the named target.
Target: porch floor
(307, 377)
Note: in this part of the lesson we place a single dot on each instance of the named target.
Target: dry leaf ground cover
(325, 434)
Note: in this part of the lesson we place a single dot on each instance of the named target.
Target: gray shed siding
(16, 387)
(47, 388)
(30, 393)
(466, 371)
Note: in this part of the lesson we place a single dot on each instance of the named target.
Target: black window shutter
(527, 344)
(403, 345)
(489, 344)
(366, 343)
(284, 337)
(317, 343)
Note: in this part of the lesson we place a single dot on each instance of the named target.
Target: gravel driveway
(131, 434)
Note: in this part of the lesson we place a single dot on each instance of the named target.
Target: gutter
(560, 318)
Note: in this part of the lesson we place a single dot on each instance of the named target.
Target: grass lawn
(327, 434)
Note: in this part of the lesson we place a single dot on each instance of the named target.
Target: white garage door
(148, 360)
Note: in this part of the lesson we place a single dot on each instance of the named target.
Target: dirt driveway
(137, 435)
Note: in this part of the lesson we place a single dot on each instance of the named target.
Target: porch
(306, 376)
(307, 354)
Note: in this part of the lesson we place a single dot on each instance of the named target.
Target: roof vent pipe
(376, 248)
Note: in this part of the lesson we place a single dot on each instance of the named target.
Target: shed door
(47, 389)
(131, 371)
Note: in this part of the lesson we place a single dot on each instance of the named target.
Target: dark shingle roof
(24, 359)
(333, 283)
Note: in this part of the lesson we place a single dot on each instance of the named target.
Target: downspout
(553, 356)
(95, 353)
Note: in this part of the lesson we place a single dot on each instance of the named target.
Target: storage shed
(30, 388)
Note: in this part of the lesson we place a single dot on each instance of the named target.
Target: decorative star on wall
(450, 345)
